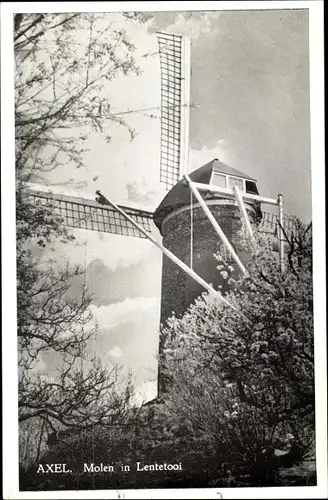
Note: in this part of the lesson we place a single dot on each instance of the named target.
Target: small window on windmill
(236, 181)
(251, 187)
(219, 180)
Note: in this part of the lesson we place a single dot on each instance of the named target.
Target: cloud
(40, 366)
(129, 309)
(114, 250)
(142, 192)
(116, 352)
(221, 151)
(145, 392)
(140, 279)
(117, 251)
(194, 24)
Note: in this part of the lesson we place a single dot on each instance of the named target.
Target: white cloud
(40, 366)
(198, 157)
(144, 194)
(194, 24)
(116, 352)
(128, 310)
(114, 250)
(145, 392)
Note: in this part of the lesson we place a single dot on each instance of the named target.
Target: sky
(250, 87)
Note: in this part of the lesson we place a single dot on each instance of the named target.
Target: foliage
(231, 416)
(240, 386)
(246, 381)
(78, 393)
(63, 64)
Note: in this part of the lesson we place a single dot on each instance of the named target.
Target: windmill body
(188, 233)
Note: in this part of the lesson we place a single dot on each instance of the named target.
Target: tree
(245, 382)
(63, 63)
(80, 394)
(239, 406)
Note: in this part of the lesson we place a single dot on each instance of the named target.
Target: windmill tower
(189, 234)
(200, 215)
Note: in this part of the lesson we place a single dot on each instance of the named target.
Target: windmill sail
(174, 51)
(82, 213)
(87, 214)
(269, 224)
(77, 212)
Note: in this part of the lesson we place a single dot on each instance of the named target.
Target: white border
(10, 418)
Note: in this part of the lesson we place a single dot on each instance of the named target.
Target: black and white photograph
(164, 327)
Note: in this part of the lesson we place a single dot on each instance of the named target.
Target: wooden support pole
(215, 224)
(281, 232)
(229, 193)
(169, 254)
(184, 104)
(244, 214)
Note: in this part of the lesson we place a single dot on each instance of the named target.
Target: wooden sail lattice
(87, 214)
(269, 224)
(175, 101)
(174, 54)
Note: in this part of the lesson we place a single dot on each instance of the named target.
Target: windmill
(200, 212)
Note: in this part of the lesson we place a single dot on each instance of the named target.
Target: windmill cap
(179, 195)
(219, 167)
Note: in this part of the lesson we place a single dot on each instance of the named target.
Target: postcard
(164, 264)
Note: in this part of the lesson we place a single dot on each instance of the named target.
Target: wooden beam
(244, 214)
(281, 233)
(173, 257)
(231, 194)
(184, 105)
(45, 192)
(215, 224)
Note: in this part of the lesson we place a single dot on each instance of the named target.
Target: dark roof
(179, 195)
